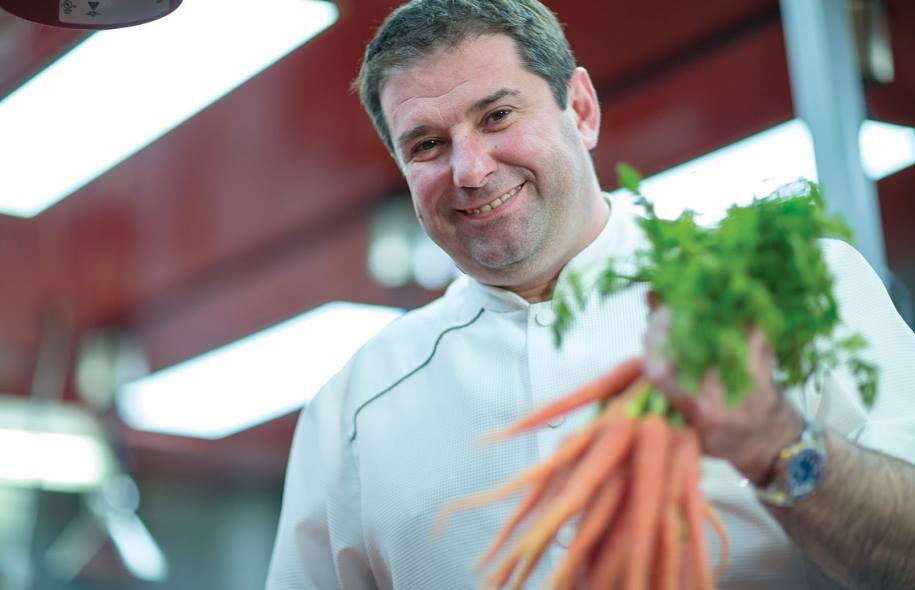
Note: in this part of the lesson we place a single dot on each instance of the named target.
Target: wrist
(758, 462)
(798, 470)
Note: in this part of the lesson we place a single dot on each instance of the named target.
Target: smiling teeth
(496, 203)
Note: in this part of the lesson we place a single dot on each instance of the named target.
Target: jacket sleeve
(319, 539)
(866, 307)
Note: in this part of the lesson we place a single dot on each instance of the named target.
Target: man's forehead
(453, 78)
(444, 71)
(472, 52)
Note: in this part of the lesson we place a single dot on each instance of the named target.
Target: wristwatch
(798, 470)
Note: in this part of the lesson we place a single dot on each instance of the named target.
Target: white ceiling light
(886, 148)
(255, 379)
(51, 446)
(51, 460)
(120, 90)
(757, 165)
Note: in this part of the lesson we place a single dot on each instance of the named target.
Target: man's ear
(583, 103)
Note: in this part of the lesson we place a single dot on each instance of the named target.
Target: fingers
(710, 399)
(761, 356)
(657, 367)
(726, 431)
(659, 370)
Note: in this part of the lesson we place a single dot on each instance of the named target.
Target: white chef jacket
(394, 436)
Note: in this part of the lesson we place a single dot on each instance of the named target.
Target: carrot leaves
(762, 265)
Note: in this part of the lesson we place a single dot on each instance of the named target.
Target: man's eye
(499, 115)
(425, 146)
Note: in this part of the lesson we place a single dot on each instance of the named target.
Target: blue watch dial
(804, 473)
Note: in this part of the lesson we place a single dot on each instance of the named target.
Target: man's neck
(536, 294)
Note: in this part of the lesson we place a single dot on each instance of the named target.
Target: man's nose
(471, 161)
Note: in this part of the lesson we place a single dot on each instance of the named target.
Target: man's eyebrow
(488, 101)
(408, 136)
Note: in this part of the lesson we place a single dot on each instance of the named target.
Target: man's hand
(749, 435)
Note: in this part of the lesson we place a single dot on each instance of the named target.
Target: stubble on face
(523, 245)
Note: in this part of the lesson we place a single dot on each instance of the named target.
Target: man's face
(500, 176)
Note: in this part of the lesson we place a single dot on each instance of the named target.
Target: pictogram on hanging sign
(111, 12)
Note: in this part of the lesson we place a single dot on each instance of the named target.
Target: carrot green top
(761, 265)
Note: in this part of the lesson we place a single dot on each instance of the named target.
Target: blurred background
(198, 225)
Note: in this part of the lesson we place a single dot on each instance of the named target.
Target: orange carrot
(665, 574)
(608, 451)
(724, 542)
(608, 385)
(648, 470)
(594, 523)
(530, 563)
(633, 480)
(544, 492)
(568, 451)
(527, 505)
(687, 574)
(610, 558)
(499, 578)
(692, 507)
(669, 540)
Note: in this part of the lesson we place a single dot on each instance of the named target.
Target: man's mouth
(495, 203)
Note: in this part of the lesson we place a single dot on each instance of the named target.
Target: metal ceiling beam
(829, 98)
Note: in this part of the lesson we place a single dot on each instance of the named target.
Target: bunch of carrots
(631, 477)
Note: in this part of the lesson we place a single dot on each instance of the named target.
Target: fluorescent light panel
(886, 148)
(757, 165)
(51, 460)
(122, 89)
(51, 446)
(255, 379)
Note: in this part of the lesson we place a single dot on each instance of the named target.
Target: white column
(829, 98)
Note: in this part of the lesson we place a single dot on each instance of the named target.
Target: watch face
(804, 472)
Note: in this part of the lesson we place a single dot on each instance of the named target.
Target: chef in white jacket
(489, 119)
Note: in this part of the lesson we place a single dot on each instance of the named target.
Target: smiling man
(483, 108)
(500, 173)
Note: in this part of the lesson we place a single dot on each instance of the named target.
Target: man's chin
(500, 272)
(499, 264)
(502, 264)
